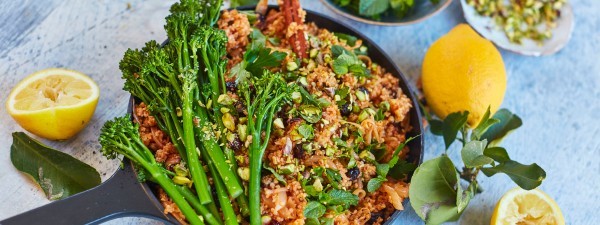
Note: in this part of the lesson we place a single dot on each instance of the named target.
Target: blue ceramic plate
(421, 10)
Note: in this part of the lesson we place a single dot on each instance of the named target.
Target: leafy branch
(436, 192)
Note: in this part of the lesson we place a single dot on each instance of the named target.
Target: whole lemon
(463, 72)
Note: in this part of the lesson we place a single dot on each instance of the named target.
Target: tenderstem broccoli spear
(121, 137)
(270, 90)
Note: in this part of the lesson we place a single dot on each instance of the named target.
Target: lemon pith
(53, 103)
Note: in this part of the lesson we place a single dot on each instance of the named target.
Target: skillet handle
(122, 195)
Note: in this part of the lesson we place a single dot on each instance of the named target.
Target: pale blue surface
(558, 97)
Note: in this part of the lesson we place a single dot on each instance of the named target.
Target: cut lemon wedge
(53, 103)
(522, 207)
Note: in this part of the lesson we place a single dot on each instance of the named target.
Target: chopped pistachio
(287, 169)
(363, 115)
(243, 120)
(278, 123)
(367, 155)
(181, 180)
(327, 58)
(228, 121)
(329, 151)
(317, 185)
(313, 53)
(355, 109)
(307, 147)
(351, 163)
(363, 49)
(241, 131)
(180, 170)
(230, 137)
(311, 65)
(291, 66)
(303, 81)
(225, 99)
(385, 106)
(178, 112)
(296, 97)
(224, 110)
(244, 173)
(361, 95)
(265, 219)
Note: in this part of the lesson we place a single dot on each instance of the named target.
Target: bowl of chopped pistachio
(528, 27)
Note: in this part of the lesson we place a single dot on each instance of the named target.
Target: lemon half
(522, 207)
(54, 103)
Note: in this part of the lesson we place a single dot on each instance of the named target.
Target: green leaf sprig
(436, 192)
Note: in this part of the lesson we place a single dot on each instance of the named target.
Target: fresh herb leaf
(314, 209)
(395, 157)
(382, 169)
(342, 92)
(375, 183)
(312, 221)
(402, 169)
(350, 40)
(432, 191)
(327, 221)
(347, 62)
(340, 143)
(307, 97)
(339, 197)
(526, 176)
(342, 63)
(236, 3)
(277, 176)
(472, 154)
(452, 124)
(306, 130)
(265, 58)
(372, 7)
(508, 122)
(401, 7)
(58, 174)
(333, 177)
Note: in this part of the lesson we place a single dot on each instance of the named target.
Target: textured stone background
(558, 97)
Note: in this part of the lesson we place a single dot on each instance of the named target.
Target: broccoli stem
(225, 202)
(170, 189)
(269, 96)
(198, 174)
(210, 218)
(215, 153)
(120, 136)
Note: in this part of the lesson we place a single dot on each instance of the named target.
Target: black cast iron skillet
(122, 195)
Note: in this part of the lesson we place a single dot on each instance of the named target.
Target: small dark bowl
(422, 10)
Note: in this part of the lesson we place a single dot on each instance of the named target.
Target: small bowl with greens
(387, 12)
